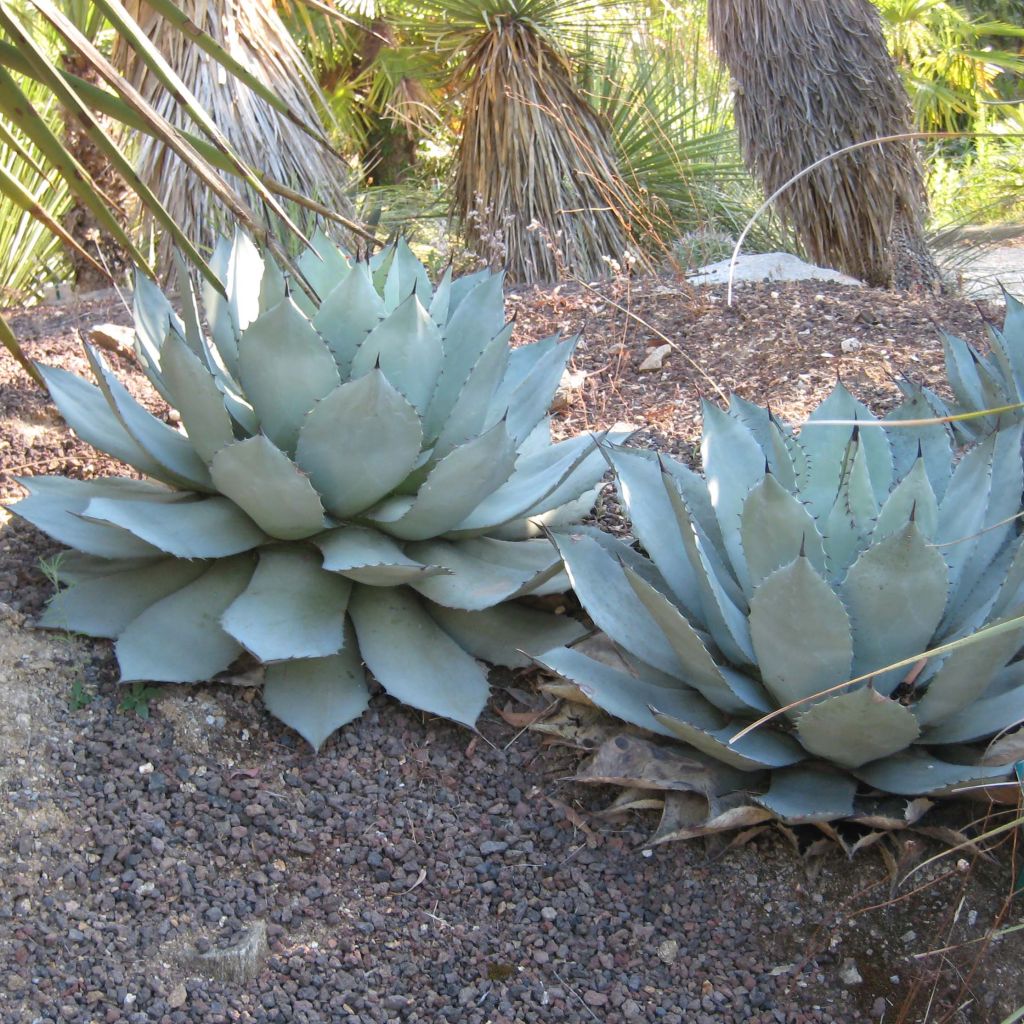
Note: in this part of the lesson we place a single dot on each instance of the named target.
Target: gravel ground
(177, 857)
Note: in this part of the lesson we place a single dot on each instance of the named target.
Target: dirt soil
(176, 856)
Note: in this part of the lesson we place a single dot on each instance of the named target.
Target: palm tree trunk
(810, 77)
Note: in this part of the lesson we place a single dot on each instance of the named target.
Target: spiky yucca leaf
(793, 565)
(362, 480)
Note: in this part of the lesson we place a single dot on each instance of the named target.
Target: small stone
(490, 846)
(113, 337)
(178, 996)
(548, 913)
(848, 973)
(146, 769)
(849, 344)
(878, 1007)
(668, 951)
(655, 358)
(592, 998)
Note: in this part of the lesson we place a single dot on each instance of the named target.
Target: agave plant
(357, 480)
(797, 564)
(982, 381)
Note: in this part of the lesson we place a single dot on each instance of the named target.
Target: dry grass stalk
(812, 76)
(537, 185)
(252, 33)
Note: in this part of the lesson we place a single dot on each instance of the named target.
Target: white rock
(768, 266)
(655, 358)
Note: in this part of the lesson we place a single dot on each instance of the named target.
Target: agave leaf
(912, 497)
(476, 314)
(792, 604)
(774, 528)
(266, 484)
(316, 696)
(407, 348)
(324, 267)
(963, 509)
(733, 464)
(461, 287)
(531, 400)
(639, 481)
(1004, 502)
(694, 491)
(895, 594)
(726, 689)
(406, 277)
(193, 391)
(1011, 591)
(55, 505)
(369, 557)
(631, 697)
(440, 304)
(612, 603)
(470, 413)
(178, 639)
(178, 461)
(218, 308)
(763, 748)
(273, 287)
(964, 372)
(359, 443)
(291, 608)
(851, 729)
(510, 634)
(852, 517)
(87, 413)
(73, 567)
(966, 674)
(105, 605)
(777, 448)
(826, 448)
(982, 718)
(192, 331)
(920, 774)
(725, 619)
(453, 489)
(581, 480)
(285, 369)
(521, 361)
(933, 440)
(208, 528)
(1013, 327)
(348, 314)
(805, 794)
(484, 571)
(154, 319)
(413, 658)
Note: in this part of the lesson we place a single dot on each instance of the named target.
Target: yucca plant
(980, 381)
(794, 565)
(359, 480)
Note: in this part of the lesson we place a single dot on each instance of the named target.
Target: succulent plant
(795, 564)
(362, 479)
(980, 381)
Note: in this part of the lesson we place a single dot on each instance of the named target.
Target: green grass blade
(10, 342)
(15, 105)
(173, 13)
(17, 193)
(154, 60)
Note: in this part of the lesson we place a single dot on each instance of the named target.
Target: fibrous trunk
(537, 187)
(811, 77)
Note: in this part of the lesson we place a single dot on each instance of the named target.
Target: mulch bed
(412, 871)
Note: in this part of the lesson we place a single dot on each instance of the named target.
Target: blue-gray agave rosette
(359, 480)
(793, 565)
